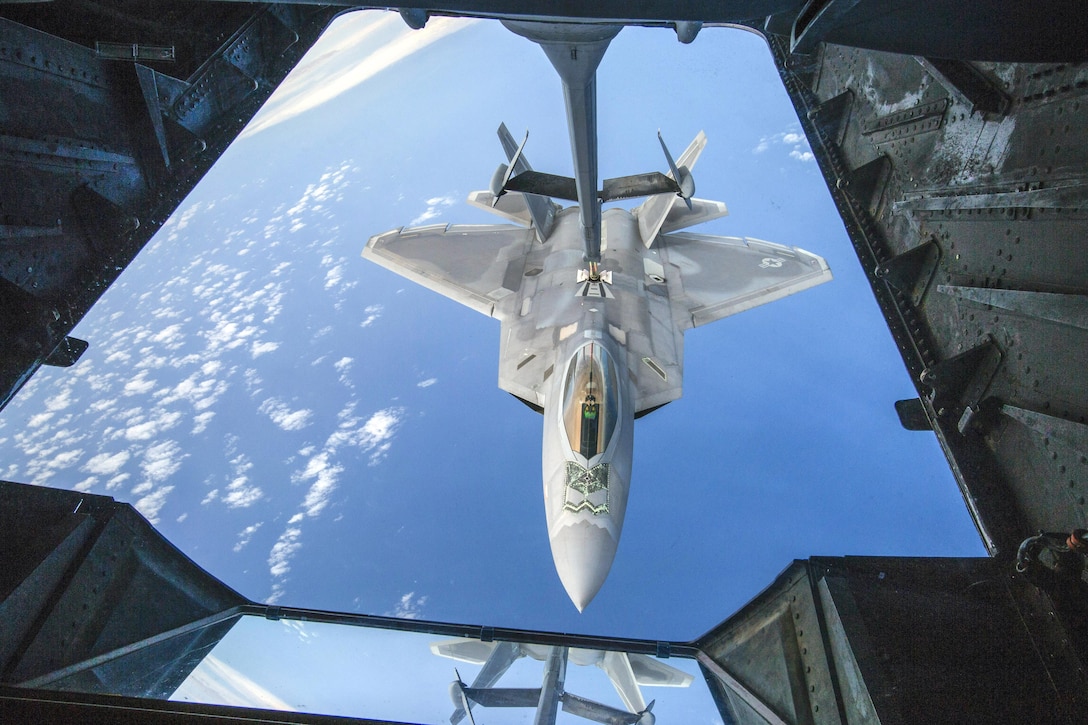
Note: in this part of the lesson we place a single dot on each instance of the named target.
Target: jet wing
(714, 277)
(477, 266)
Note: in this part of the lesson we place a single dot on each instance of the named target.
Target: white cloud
(343, 366)
(60, 401)
(426, 383)
(282, 551)
(149, 429)
(106, 464)
(66, 459)
(796, 142)
(283, 416)
(210, 496)
(151, 504)
(162, 460)
(240, 494)
(322, 472)
(39, 419)
(377, 433)
(409, 607)
(434, 208)
(170, 337)
(334, 276)
(201, 420)
(246, 534)
(139, 385)
(373, 312)
(86, 484)
(260, 348)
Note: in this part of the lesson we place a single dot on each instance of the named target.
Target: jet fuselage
(588, 403)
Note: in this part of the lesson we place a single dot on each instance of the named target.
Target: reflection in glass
(418, 677)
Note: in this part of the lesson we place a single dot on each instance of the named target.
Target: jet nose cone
(583, 554)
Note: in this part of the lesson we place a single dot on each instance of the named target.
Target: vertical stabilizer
(541, 208)
(653, 212)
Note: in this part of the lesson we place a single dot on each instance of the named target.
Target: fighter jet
(593, 305)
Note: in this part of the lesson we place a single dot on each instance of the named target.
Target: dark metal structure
(954, 141)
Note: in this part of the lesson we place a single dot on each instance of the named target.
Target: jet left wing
(716, 277)
(477, 266)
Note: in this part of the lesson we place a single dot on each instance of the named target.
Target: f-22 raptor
(593, 306)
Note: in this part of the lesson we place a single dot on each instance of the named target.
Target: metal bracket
(922, 118)
(135, 51)
(912, 414)
(867, 182)
(1064, 309)
(968, 85)
(104, 223)
(832, 116)
(160, 91)
(912, 271)
(1067, 432)
(960, 383)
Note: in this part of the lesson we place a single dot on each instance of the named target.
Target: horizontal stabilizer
(508, 206)
(464, 649)
(655, 673)
(537, 182)
(630, 187)
(702, 210)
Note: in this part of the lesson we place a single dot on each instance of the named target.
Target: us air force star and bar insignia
(586, 488)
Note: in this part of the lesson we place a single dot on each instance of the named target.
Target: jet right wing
(477, 266)
(721, 276)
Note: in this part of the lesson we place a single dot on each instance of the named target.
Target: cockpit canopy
(590, 405)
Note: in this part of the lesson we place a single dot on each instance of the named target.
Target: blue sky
(316, 431)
